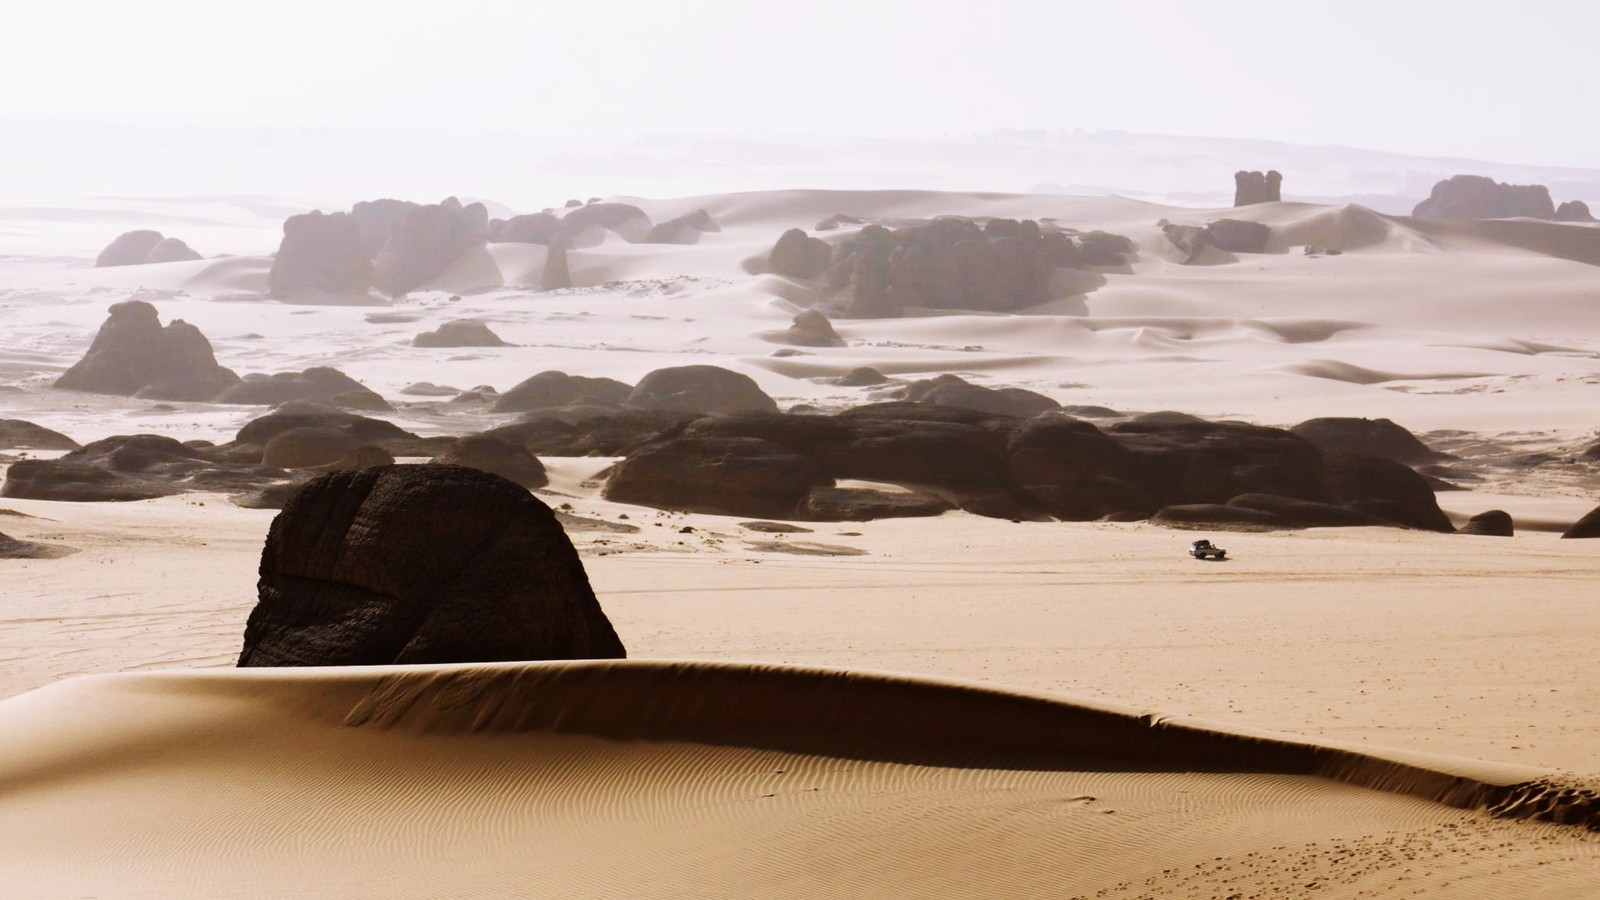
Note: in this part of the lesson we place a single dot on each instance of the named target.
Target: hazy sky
(1511, 82)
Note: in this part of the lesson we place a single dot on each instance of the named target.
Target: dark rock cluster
(1256, 187)
(137, 248)
(1481, 197)
(392, 245)
(134, 356)
(951, 262)
(1047, 465)
(421, 564)
(134, 467)
(460, 333)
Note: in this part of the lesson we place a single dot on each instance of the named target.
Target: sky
(1504, 82)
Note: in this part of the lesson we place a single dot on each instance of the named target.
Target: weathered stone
(1479, 197)
(553, 389)
(133, 355)
(15, 434)
(702, 389)
(499, 457)
(721, 475)
(448, 564)
(321, 254)
(797, 255)
(128, 249)
(1493, 523)
(460, 333)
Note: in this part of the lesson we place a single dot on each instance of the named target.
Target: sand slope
(692, 780)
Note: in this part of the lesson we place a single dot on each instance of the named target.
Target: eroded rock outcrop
(1480, 197)
(460, 333)
(507, 459)
(316, 383)
(797, 255)
(16, 434)
(1373, 437)
(1229, 235)
(548, 390)
(700, 389)
(133, 467)
(133, 355)
(1574, 211)
(952, 390)
(685, 229)
(1493, 523)
(449, 564)
(1257, 187)
(1586, 527)
(811, 329)
(137, 248)
(321, 253)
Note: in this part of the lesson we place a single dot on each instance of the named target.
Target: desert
(402, 513)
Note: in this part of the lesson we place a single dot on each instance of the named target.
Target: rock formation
(1373, 437)
(316, 383)
(460, 333)
(137, 248)
(15, 434)
(132, 355)
(1574, 211)
(1230, 235)
(798, 256)
(1586, 527)
(699, 389)
(133, 467)
(251, 441)
(307, 446)
(1494, 523)
(811, 329)
(861, 376)
(553, 389)
(952, 390)
(420, 242)
(12, 548)
(731, 475)
(685, 229)
(323, 254)
(449, 564)
(1004, 466)
(171, 250)
(1255, 187)
(499, 457)
(538, 228)
(1479, 197)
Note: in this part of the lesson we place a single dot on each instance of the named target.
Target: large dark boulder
(134, 467)
(952, 390)
(1217, 515)
(421, 564)
(1230, 235)
(316, 383)
(250, 442)
(733, 476)
(509, 460)
(129, 249)
(307, 446)
(1480, 197)
(133, 355)
(1296, 513)
(1373, 437)
(553, 389)
(591, 430)
(1386, 489)
(1586, 527)
(321, 253)
(1493, 523)
(423, 242)
(797, 255)
(460, 333)
(702, 389)
(1179, 460)
(15, 434)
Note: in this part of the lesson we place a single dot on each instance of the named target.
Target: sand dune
(562, 779)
